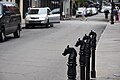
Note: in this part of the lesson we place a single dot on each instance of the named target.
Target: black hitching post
(93, 36)
(81, 43)
(87, 41)
(71, 62)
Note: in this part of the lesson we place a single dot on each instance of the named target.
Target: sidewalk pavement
(108, 54)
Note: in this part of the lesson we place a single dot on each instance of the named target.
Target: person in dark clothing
(115, 14)
(106, 13)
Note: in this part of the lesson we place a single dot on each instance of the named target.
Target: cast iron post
(112, 17)
(93, 36)
(71, 62)
(81, 43)
(87, 40)
(61, 8)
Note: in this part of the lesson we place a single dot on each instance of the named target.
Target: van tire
(51, 25)
(17, 33)
(2, 35)
(26, 26)
(47, 24)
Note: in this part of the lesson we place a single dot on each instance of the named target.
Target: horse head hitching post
(71, 62)
(82, 59)
(87, 41)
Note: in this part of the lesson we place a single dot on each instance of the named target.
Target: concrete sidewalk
(108, 54)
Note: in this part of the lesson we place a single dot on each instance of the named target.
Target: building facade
(8, 0)
(64, 5)
(45, 3)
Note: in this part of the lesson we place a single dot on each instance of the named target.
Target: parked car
(41, 16)
(94, 10)
(89, 11)
(106, 8)
(81, 11)
(10, 20)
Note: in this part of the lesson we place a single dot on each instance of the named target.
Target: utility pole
(21, 8)
(71, 7)
(29, 3)
(25, 7)
(112, 17)
(61, 8)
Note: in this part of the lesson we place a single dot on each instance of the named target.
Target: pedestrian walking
(115, 14)
(63, 15)
(119, 15)
(83, 16)
(106, 13)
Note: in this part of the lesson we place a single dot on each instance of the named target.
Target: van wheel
(17, 33)
(51, 25)
(26, 26)
(2, 35)
(47, 24)
(29, 26)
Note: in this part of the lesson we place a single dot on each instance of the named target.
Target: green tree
(81, 3)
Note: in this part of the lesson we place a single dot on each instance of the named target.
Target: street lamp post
(61, 10)
(112, 18)
(29, 3)
(36, 3)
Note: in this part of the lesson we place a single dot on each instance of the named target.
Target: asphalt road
(37, 55)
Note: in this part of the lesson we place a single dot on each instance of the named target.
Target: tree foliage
(80, 3)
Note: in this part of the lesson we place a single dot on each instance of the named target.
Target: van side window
(33, 11)
(5, 9)
(5, 19)
(17, 10)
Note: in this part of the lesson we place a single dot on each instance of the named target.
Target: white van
(41, 16)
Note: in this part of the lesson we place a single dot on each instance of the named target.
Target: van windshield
(33, 11)
(43, 11)
(37, 11)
